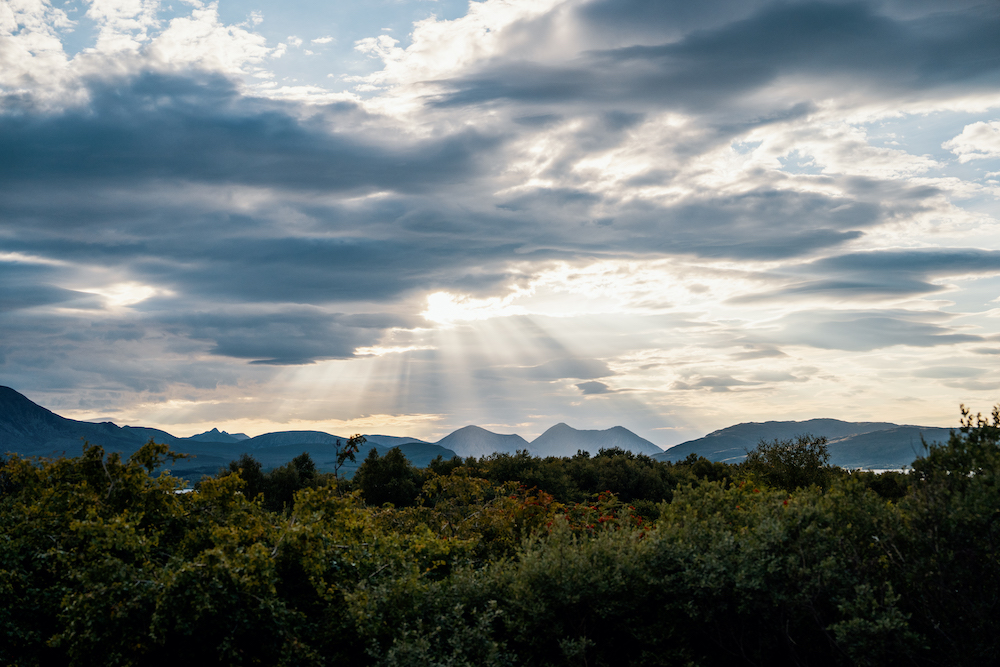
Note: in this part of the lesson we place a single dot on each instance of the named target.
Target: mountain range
(32, 430)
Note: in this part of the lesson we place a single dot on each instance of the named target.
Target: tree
(951, 541)
(281, 483)
(389, 479)
(790, 464)
(250, 471)
(346, 452)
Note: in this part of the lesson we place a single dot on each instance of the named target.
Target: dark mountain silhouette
(280, 438)
(476, 441)
(876, 445)
(31, 430)
(563, 440)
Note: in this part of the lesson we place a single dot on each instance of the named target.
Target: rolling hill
(874, 445)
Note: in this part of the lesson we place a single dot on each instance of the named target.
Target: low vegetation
(608, 559)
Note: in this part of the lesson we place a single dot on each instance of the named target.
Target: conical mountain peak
(477, 441)
(564, 440)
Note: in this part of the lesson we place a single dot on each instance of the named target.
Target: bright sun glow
(446, 308)
(120, 295)
(381, 350)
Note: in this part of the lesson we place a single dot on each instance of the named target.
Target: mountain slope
(881, 450)
(731, 443)
(392, 440)
(478, 442)
(878, 445)
(564, 440)
(281, 438)
(31, 430)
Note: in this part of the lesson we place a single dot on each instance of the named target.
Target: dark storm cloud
(722, 226)
(142, 180)
(200, 129)
(317, 270)
(926, 262)
(25, 286)
(333, 254)
(647, 19)
(710, 62)
(300, 336)
(762, 224)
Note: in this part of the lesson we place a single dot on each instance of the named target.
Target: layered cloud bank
(666, 215)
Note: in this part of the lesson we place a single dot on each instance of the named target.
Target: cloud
(286, 338)
(594, 388)
(881, 274)
(949, 372)
(974, 385)
(200, 129)
(718, 62)
(26, 285)
(556, 369)
(978, 141)
(867, 330)
(758, 352)
(123, 24)
(692, 198)
(716, 383)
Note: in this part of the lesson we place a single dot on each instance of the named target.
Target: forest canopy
(511, 559)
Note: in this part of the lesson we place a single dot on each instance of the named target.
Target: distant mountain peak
(564, 440)
(472, 428)
(215, 435)
(476, 441)
(561, 426)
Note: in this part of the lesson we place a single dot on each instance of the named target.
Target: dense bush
(508, 560)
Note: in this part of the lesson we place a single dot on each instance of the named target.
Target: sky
(406, 216)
